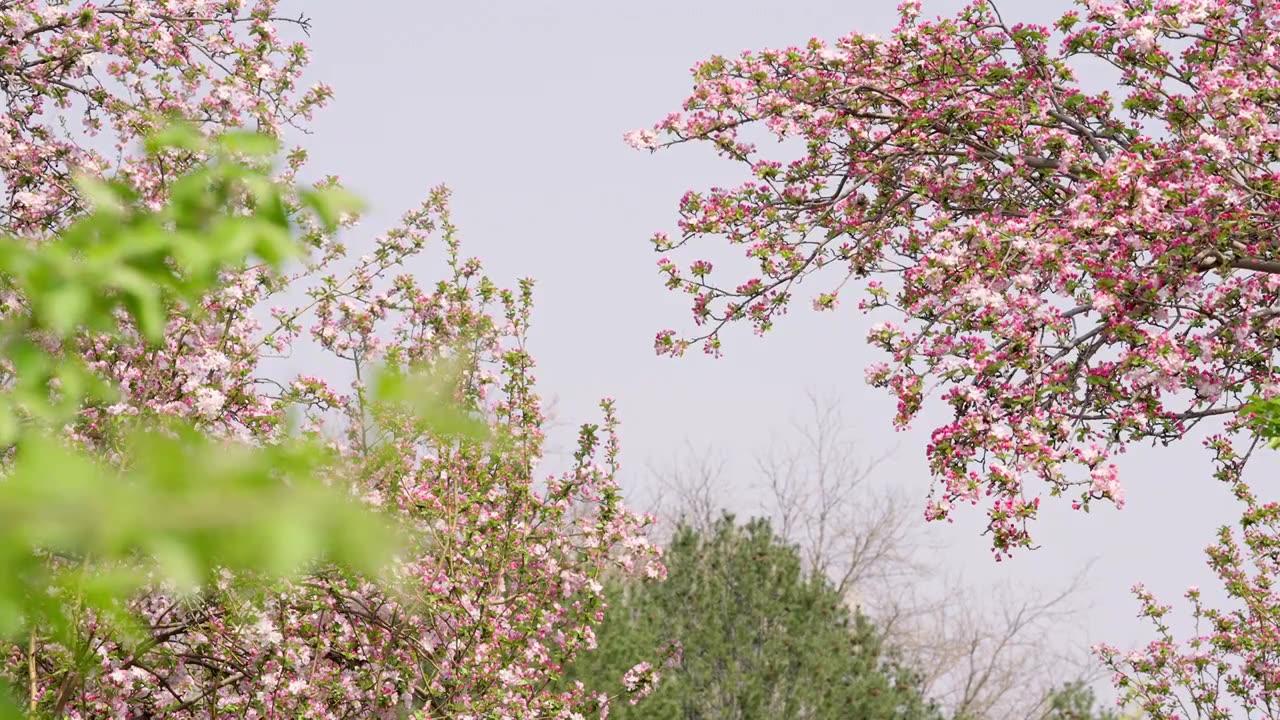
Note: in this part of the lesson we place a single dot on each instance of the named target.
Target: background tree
(994, 652)
(819, 493)
(1076, 701)
(761, 638)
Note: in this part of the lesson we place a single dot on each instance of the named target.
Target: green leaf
(176, 563)
(194, 256)
(250, 144)
(10, 706)
(274, 245)
(104, 197)
(29, 362)
(177, 136)
(430, 394)
(65, 307)
(330, 203)
(289, 544)
(191, 200)
(9, 426)
(185, 503)
(269, 204)
(231, 239)
(142, 298)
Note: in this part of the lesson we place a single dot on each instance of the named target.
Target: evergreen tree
(761, 638)
(1076, 701)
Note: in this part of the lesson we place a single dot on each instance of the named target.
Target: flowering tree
(499, 589)
(1073, 272)
(1229, 667)
(83, 81)
(80, 536)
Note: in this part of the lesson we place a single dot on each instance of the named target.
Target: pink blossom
(641, 139)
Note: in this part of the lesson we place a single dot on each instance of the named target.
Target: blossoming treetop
(1072, 271)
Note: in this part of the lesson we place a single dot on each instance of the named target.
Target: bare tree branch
(821, 497)
(691, 490)
(989, 653)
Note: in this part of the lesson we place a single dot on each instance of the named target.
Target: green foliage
(188, 503)
(80, 533)
(1076, 701)
(429, 395)
(760, 638)
(1264, 419)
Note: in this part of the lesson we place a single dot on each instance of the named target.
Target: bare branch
(691, 490)
(822, 497)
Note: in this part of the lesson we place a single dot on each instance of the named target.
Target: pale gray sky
(520, 108)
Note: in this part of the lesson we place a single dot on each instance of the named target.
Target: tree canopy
(1071, 272)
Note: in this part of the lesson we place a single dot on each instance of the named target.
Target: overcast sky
(520, 108)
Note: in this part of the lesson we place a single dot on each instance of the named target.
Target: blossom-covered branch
(1072, 272)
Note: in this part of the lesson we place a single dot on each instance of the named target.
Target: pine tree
(761, 638)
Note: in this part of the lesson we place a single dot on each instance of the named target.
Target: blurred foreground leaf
(170, 507)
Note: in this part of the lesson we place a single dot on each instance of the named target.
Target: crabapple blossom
(1087, 270)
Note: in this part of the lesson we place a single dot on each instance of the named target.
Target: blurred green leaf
(274, 245)
(104, 198)
(176, 562)
(330, 204)
(142, 297)
(430, 393)
(177, 136)
(249, 144)
(66, 306)
(171, 504)
(9, 425)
